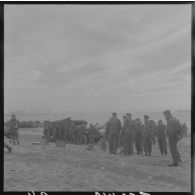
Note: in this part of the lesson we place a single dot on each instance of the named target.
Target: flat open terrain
(73, 168)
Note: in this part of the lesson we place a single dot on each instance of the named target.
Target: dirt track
(31, 167)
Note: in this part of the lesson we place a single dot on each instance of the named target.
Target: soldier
(122, 133)
(174, 134)
(13, 126)
(139, 136)
(129, 135)
(148, 136)
(161, 136)
(114, 129)
(153, 129)
(91, 135)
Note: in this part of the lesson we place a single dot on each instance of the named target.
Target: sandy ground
(73, 168)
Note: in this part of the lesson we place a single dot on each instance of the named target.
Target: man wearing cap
(161, 136)
(174, 134)
(13, 126)
(148, 136)
(129, 135)
(114, 126)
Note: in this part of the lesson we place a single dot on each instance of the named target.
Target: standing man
(153, 129)
(91, 135)
(139, 137)
(129, 135)
(122, 134)
(13, 126)
(161, 136)
(148, 136)
(125, 133)
(114, 125)
(174, 134)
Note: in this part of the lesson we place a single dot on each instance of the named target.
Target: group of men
(133, 132)
(71, 131)
(125, 136)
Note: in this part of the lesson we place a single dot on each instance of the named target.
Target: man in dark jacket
(139, 136)
(161, 136)
(148, 136)
(129, 135)
(174, 134)
(114, 125)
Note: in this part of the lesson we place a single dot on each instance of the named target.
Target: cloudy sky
(97, 57)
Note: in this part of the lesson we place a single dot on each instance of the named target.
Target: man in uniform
(129, 135)
(114, 129)
(174, 134)
(122, 133)
(13, 126)
(148, 136)
(91, 134)
(161, 136)
(139, 136)
(153, 129)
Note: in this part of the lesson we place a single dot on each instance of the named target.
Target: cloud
(97, 55)
(53, 77)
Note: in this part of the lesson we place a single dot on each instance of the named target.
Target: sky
(97, 57)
